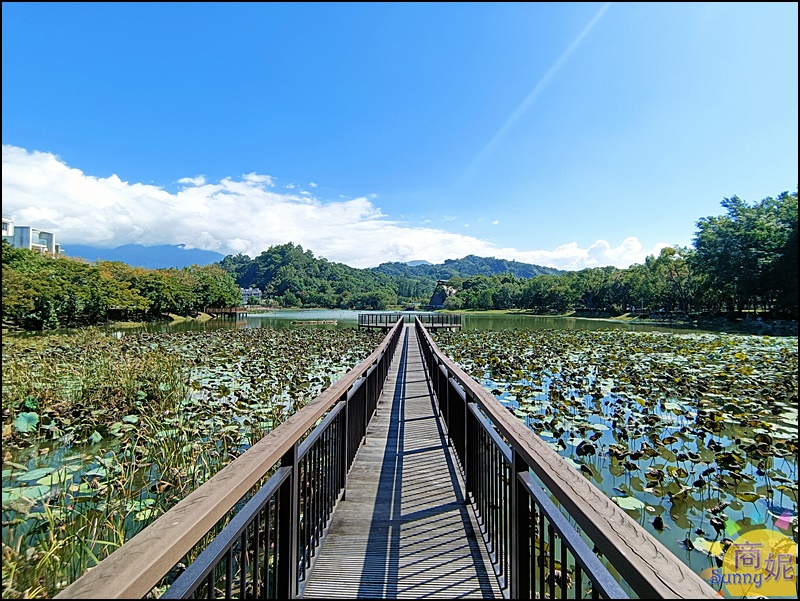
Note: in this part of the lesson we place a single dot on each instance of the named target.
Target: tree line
(45, 292)
(744, 260)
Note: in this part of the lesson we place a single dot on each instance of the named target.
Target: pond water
(349, 319)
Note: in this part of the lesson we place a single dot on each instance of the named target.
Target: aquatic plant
(101, 435)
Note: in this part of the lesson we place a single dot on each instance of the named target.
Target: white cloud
(259, 180)
(247, 216)
(312, 185)
(193, 181)
(495, 222)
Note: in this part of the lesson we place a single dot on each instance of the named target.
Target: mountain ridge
(176, 255)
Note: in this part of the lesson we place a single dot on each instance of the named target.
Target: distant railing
(232, 311)
(383, 320)
(267, 548)
(440, 320)
(378, 320)
(516, 484)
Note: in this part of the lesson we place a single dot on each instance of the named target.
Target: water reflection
(349, 319)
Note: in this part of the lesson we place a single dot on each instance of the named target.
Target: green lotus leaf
(32, 475)
(26, 422)
(631, 503)
(58, 477)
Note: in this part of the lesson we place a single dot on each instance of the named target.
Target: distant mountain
(149, 257)
(418, 262)
(469, 266)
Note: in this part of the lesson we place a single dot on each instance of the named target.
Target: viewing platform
(235, 312)
(385, 321)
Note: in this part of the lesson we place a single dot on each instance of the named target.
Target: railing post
(366, 406)
(288, 521)
(519, 562)
(465, 428)
(345, 446)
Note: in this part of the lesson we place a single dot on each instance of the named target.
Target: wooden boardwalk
(404, 529)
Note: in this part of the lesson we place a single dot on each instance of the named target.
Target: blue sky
(564, 134)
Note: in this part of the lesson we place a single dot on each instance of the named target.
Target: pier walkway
(403, 528)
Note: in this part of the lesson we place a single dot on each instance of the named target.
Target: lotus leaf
(26, 422)
(631, 503)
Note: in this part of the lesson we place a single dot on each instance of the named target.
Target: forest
(744, 260)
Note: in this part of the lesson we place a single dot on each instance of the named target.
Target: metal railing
(267, 548)
(428, 319)
(378, 320)
(538, 515)
(440, 319)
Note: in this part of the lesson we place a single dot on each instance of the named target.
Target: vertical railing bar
(496, 504)
(302, 509)
(274, 564)
(492, 482)
(326, 479)
(505, 504)
(256, 564)
(552, 553)
(243, 564)
(211, 589)
(541, 558)
(318, 498)
(288, 519)
(313, 505)
(564, 575)
(267, 546)
(311, 491)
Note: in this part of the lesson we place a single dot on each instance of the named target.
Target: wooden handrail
(138, 565)
(643, 561)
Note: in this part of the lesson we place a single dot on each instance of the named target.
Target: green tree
(744, 254)
(674, 275)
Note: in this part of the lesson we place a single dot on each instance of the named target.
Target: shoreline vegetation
(747, 324)
(739, 324)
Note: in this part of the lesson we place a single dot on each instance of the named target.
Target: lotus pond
(102, 434)
(694, 435)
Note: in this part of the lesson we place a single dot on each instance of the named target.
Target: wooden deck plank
(403, 529)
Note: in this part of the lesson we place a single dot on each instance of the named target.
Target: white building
(25, 236)
(248, 293)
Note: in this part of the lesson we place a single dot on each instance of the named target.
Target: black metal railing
(373, 320)
(440, 319)
(543, 523)
(268, 547)
(378, 320)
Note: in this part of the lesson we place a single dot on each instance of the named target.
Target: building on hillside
(249, 293)
(440, 293)
(25, 236)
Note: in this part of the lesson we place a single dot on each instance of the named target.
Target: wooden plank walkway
(404, 530)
